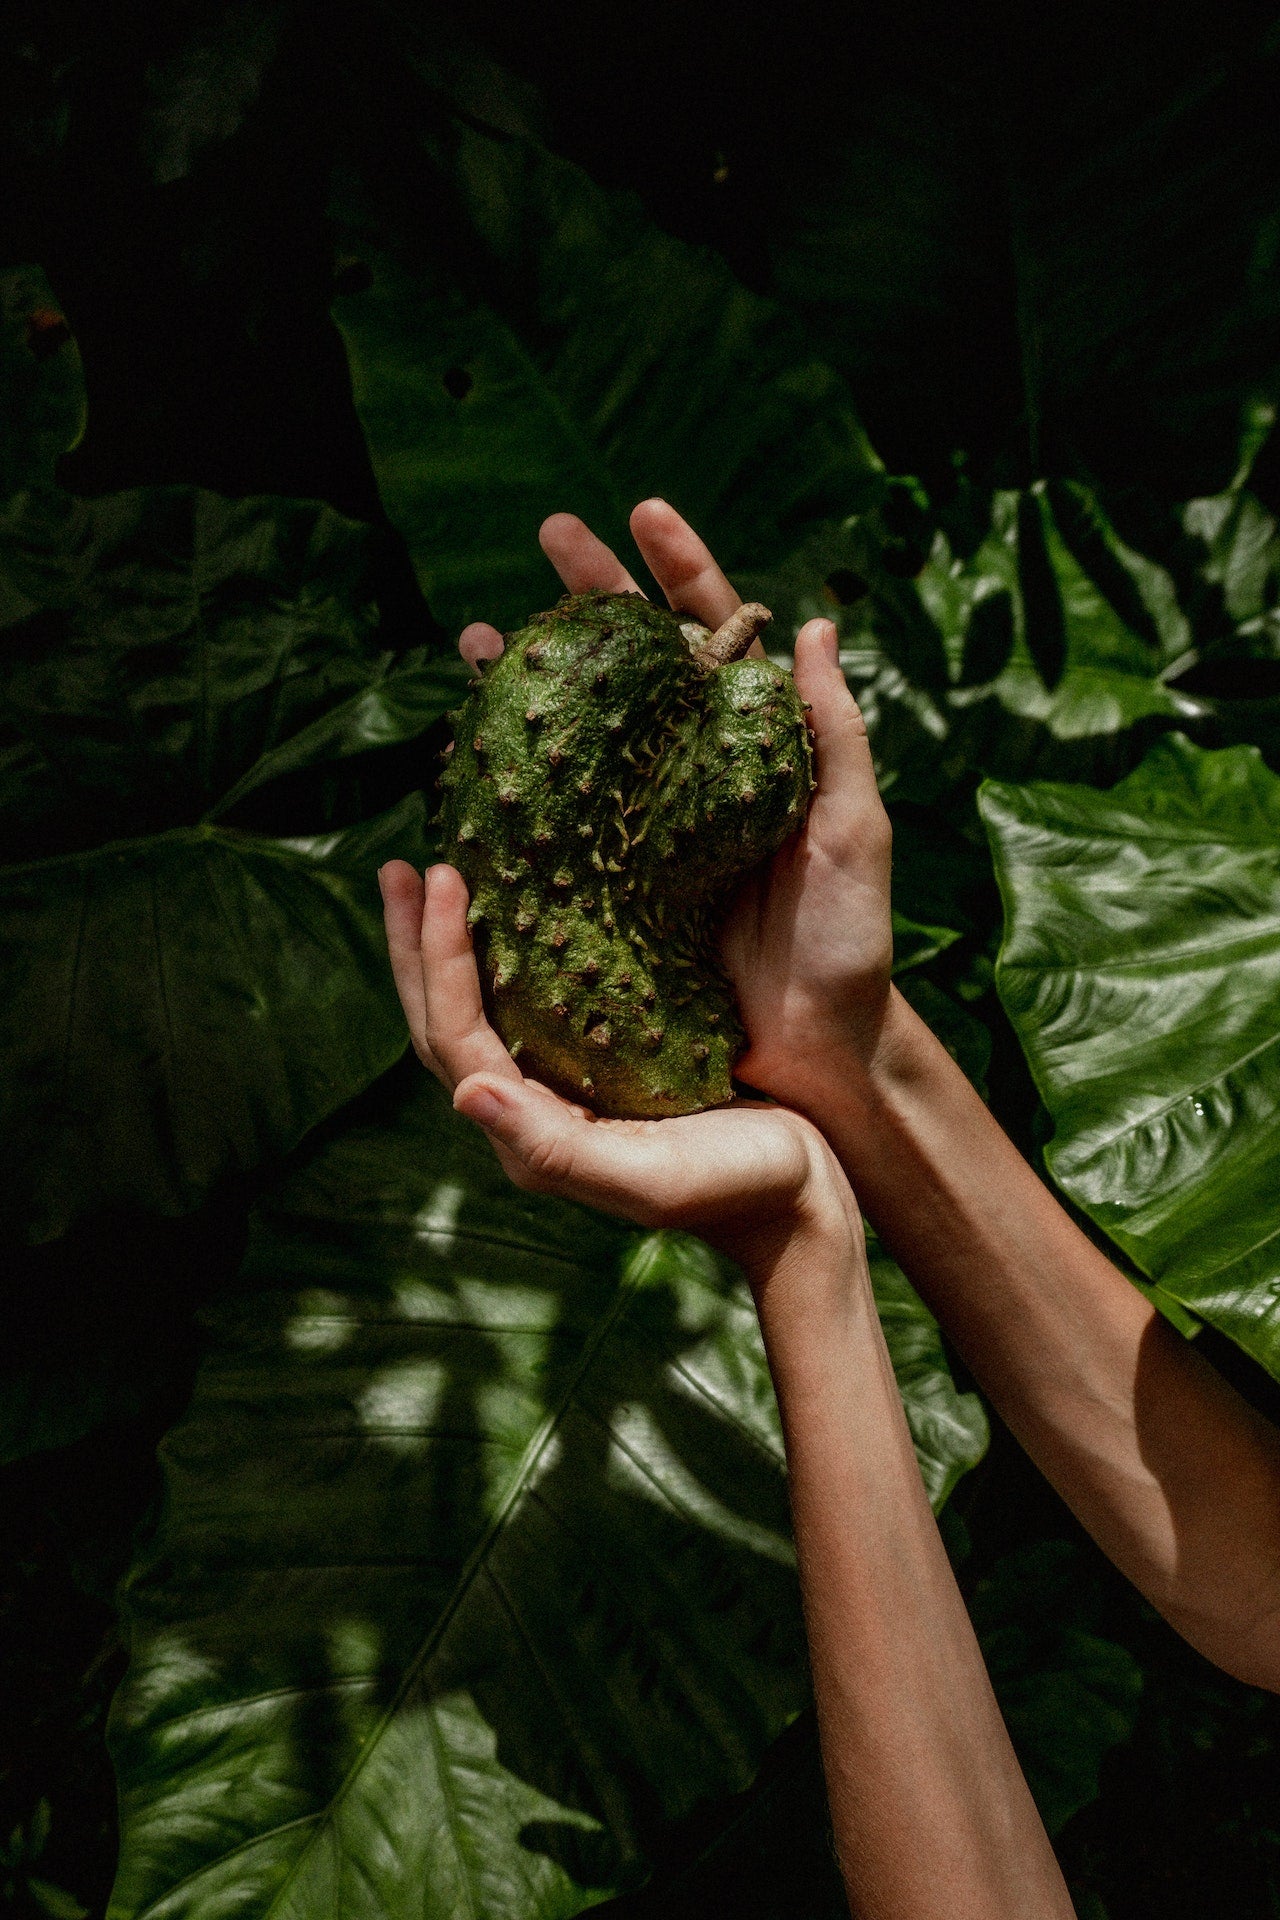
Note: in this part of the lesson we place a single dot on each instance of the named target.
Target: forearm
(930, 1810)
(1135, 1430)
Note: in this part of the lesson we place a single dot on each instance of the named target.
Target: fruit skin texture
(604, 796)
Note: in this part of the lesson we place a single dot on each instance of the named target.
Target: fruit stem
(734, 638)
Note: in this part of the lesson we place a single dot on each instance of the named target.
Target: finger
(456, 1027)
(584, 563)
(402, 897)
(682, 565)
(479, 642)
(845, 771)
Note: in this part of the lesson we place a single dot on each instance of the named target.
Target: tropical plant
(468, 1587)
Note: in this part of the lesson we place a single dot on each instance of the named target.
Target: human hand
(751, 1178)
(807, 941)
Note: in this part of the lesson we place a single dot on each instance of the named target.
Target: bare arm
(930, 1810)
(1173, 1474)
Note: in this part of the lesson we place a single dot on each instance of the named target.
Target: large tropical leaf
(1141, 968)
(1068, 1693)
(1025, 638)
(184, 997)
(177, 1009)
(570, 354)
(165, 652)
(475, 1568)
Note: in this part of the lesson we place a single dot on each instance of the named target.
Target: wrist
(851, 1059)
(810, 1267)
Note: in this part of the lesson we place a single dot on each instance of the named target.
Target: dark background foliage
(1032, 244)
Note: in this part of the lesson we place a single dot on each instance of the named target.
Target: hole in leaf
(457, 382)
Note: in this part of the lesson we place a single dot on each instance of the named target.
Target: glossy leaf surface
(475, 1569)
(1141, 968)
(1088, 627)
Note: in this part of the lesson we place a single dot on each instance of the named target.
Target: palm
(807, 946)
(732, 1175)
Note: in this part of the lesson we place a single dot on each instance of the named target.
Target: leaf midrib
(628, 1285)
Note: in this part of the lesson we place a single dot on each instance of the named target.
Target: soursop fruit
(613, 776)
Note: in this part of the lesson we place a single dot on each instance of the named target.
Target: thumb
(547, 1146)
(845, 771)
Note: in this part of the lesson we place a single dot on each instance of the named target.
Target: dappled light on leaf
(493, 1588)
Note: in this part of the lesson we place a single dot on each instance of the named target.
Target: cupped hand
(807, 941)
(748, 1177)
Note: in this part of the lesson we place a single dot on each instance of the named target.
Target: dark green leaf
(475, 1570)
(1068, 1695)
(989, 638)
(1141, 969)
(1085, 533)
(183, 998)
(165, 652)
(55, 1901)
(576, 357)
(1079, 686)
(207, 79)
(1240, 555)
(177, 1008)
(914, 944)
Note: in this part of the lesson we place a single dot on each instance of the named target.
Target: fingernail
(831, 641)
(381, 888)
(480, 1104)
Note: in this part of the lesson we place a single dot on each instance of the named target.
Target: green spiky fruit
(609, 785)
